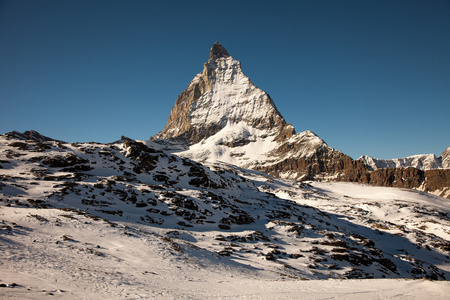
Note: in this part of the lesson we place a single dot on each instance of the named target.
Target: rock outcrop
(218, 51)
(397, 177)
(437, 182)
(30, 135)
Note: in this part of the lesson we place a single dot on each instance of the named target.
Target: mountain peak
(217, 51)
(221, 94)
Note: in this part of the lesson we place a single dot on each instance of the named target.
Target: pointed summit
(221, 94)
(217, 51)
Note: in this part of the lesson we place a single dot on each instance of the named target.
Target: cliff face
(397, 177)
(438, 182)
(322, 165)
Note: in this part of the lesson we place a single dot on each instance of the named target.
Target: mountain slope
(135, 219)
(206, 213)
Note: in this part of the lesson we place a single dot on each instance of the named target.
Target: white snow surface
(257, 144)
(116, 231)
(233, 97)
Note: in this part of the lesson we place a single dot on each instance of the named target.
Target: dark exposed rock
(30, 135)
(412, 178)
(224, 227)
(217, 51)
(355, 259)
(437, 179)
(146, 158)
(397, 177)
(387, 263)
(19, 145)
(240, 219)
(324, 162)
(68, 160)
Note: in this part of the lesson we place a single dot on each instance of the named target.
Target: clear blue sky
(368, 77)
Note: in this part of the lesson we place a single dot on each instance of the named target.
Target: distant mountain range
(422, 161)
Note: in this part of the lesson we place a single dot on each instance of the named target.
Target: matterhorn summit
(220, 95)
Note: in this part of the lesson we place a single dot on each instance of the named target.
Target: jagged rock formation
(218, 51)
(306, 157)
(437, 182)
(223, 116)
(28, 135)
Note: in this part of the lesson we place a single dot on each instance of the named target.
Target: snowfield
(71, 256)
(127, 221)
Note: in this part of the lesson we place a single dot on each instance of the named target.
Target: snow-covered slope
(235, 144)
(125, 220)
(421, 162)
(243, 145)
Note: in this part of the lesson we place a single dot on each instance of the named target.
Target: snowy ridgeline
(242, 145)
(125, 220)
(422, 161)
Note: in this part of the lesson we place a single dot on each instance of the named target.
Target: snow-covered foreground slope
(72, 256)
(125, 221)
